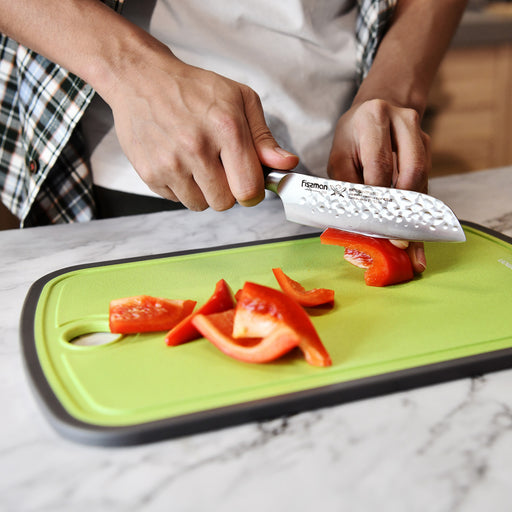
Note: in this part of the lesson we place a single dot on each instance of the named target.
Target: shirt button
(33, 166)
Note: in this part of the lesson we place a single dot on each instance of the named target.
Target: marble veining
(502, 223)
(440, 448)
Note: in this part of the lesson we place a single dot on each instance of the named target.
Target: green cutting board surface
(461, 306)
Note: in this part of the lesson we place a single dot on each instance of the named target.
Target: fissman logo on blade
(312, 185)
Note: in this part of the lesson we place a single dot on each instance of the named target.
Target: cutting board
(453, 321)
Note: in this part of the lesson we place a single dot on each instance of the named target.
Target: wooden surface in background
(469, 117)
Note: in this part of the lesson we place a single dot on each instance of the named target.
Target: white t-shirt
(298, 55)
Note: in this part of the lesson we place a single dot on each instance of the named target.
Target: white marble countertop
(441, 448)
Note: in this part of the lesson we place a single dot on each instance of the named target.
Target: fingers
(195, 136)
(242, 168)
(246, 181)
(268, 151)
(381, 144)
(362, 149)
(401, 244)
(227, 168)
(247, 147)
(166, 193)
(344, 162)
(368, 139)
(183, 168)
(376, 152)
(206, 187)
(412, 150)
(416, 251)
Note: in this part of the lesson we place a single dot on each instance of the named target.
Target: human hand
(194, 136)
(382, 144)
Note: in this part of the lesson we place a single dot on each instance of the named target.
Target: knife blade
(369, 210)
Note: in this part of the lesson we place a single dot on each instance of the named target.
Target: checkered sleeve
(372, 23)
(43, 178)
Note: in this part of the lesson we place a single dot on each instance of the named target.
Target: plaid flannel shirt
(44, 177)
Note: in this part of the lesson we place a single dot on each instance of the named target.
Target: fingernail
(401, 244)
(421, 262)
(253, 201)
(283, 152)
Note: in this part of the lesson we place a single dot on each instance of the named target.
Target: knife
(374, 211)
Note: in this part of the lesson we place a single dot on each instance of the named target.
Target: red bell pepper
(221, 300)
(307, 298)
(218, 328)
(260, 310)
(143, 313)
(385, 263)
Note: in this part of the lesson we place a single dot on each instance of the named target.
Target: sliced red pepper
(307, 298)
(221, 300)
(218, 328)
(385, 263)
(144, 313)
(260, 310)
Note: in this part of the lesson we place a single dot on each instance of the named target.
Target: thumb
(275, 157)
(268, 150)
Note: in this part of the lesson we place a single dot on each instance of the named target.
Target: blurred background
(469, 116)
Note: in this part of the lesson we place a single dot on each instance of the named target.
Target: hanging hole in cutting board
(94, 339)
(90, 335)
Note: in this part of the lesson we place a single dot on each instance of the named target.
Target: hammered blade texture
(378, 211)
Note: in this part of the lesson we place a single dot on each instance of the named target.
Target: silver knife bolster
(273, 179)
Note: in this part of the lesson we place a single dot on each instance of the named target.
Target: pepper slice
(218, 328)
(306, 298)
(221, 300)
(144, 313)
(260, 310)
(385, 263)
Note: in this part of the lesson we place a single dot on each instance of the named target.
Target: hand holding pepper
(380, 144)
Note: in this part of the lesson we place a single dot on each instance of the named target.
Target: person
(186, 114)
